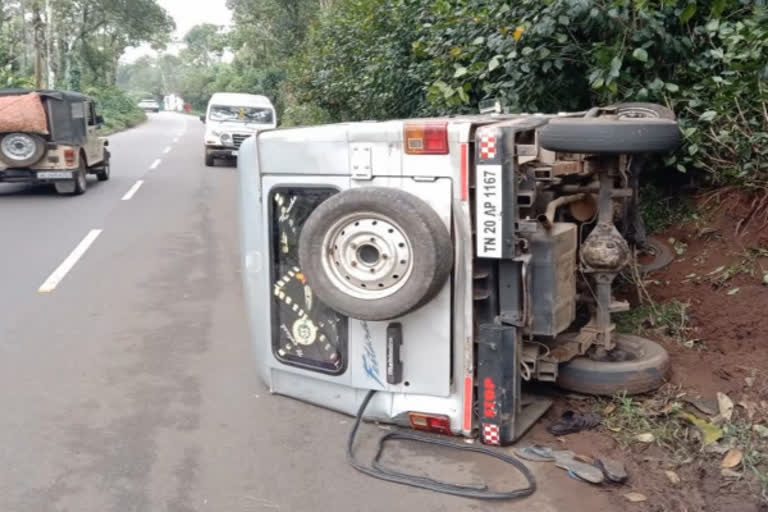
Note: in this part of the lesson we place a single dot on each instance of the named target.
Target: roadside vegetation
(119, 110)
(77, 45)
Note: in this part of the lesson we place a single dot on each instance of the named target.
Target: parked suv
(149, 105)
(51, 137)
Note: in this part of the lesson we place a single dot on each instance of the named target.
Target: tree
(205, 45)
(73, 43)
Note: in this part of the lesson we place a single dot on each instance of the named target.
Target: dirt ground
(720, 280)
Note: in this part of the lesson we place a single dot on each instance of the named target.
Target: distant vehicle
(149, 105)
(51, 137)
(173, 103)
(232, 118)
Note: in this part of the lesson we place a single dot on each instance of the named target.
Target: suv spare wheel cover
(375, 253)
(21, 149)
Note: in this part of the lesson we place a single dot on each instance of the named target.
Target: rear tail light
(69, 157)
(430, 422)
(427, 138)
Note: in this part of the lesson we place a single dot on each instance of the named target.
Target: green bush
(119, 110)
(706, 59)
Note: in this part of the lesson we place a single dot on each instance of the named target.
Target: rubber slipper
(535, 453)
(571, 422)
(563, 455)
(612, 469)
(584, 471)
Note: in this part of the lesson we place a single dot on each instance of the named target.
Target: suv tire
(104, 173)
(30, 143)
(375, 253)
(78, 185)
(605, 135)
(645, 368)
(209, 160)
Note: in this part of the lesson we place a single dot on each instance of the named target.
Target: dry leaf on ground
(635, 497)
(725, 405)
(732, 458)
(645, 438)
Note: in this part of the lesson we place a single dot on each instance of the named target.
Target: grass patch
(755, 449)
(669, 319)
(659, 420)
(120, 111)
(628, 418)
(748, 265)
(661, 211)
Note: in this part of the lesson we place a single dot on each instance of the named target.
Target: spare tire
(375, 253)
(19, 149)
(637, 365)
(606, 135)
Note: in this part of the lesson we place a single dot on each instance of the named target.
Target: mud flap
(499, 383)
(505, 413)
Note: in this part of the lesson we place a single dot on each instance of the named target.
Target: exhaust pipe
(548, 218)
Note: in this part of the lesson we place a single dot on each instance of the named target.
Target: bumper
(222, 152)
(36, 176)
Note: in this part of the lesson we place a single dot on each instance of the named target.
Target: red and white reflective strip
(491, 434)
(487, 144)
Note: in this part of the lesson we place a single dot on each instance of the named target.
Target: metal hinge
(361, 161)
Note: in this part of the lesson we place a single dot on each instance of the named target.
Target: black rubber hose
(421, 482)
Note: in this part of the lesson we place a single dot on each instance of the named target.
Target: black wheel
(104, 174)
(209, 160)
(659, 255)
(607, 135)
(375, 253)
(78, 185)
(20, 149)
(637, 365)
(81, 178)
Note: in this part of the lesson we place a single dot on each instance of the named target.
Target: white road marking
(132, 192)
(61, 272)
(167, 150)
(155, 164)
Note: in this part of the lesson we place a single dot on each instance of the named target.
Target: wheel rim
(637, 112)
(367, 255)
(18, 146)
(627, 350)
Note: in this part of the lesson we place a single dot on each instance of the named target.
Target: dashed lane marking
(132, 192)
(68, 264)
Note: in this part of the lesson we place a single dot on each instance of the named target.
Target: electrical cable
(376, 470)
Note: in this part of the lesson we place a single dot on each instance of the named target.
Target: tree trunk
(37, 24)
(50, 47)
(24, 40)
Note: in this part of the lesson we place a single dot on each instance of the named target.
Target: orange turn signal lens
(426, 138)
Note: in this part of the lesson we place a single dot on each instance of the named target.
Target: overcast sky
(187, 14)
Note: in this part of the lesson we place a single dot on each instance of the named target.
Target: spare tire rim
(367, 255)
(18, 146)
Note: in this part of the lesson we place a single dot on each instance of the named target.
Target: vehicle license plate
(55, 175)
(235, 153)
(489, 211)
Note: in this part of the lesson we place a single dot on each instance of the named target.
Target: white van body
(233, 117)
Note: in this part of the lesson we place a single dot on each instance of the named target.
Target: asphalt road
(130, 386)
